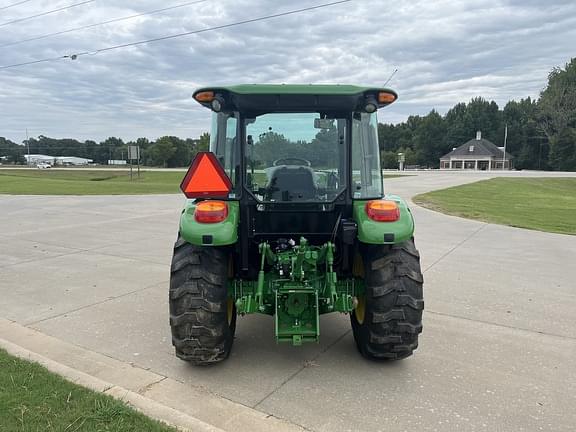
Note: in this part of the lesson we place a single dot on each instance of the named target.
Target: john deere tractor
(286, 216)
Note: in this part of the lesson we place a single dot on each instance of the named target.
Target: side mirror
(249, 140)
(320, 123)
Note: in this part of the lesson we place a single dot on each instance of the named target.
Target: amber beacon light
(205, 96)
(386, 98)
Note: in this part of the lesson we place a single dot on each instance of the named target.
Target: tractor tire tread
(198, 297)
(394, 303)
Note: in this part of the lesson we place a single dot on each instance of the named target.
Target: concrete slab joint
(150, 393)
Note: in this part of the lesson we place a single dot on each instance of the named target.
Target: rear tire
(202, 317)
(388, 318)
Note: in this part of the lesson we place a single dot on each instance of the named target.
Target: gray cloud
(445, 51)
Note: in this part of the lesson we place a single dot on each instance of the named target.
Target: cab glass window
(224, 143)
(295, 157)
(366, 169)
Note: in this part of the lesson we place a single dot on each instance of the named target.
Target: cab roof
(308, 89)
(282, 97)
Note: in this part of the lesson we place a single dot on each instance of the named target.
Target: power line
(46, 13)
(34, 62)
(102, 23)
(177, 35)
(14, 4)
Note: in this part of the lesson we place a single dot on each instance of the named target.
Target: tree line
(167, 151)
(541, 134)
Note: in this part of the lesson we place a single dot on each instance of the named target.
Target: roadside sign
(134, 155)
(134, 152)
(401, 160)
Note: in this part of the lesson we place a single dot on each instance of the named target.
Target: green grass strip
(87, 182)
(34, 399)
(81, 181)
(544, 204)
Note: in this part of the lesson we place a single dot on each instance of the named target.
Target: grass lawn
(544, 204)
(87, 182)
(90, 182)
(34, 399)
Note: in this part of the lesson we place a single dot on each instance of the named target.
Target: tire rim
(360, 310)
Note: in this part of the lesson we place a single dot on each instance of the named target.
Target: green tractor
(286, 216)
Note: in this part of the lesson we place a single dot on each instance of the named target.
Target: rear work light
(211, 211)
(383, 210)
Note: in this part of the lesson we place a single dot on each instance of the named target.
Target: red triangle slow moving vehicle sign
(206, 178)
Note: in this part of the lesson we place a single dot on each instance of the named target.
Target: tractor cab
(298, 144)
(287, 216)
(297, 155)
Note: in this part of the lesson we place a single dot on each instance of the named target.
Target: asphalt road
(497, 352)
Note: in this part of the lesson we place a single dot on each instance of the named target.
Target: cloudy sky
(446, 51)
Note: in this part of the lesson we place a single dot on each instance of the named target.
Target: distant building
(39, 158)
(477, 154)
(56, 160)
(71, 160)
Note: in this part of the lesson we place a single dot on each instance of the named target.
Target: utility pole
(28, 144)
(539, 154)
(138, 149)
(505, 139)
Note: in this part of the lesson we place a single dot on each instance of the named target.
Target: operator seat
(291, 183)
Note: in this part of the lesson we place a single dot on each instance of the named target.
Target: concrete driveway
(497, 353)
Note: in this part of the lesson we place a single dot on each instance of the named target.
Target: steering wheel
(300, 161)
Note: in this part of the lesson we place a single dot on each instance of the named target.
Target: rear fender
(210, 234)
(373, 232)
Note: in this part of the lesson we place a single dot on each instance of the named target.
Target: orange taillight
(386, 98)
(205, 96)
(211, 211)
(383, 210)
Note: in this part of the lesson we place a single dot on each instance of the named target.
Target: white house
(477, 154)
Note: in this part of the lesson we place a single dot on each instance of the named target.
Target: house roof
(480, 147)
